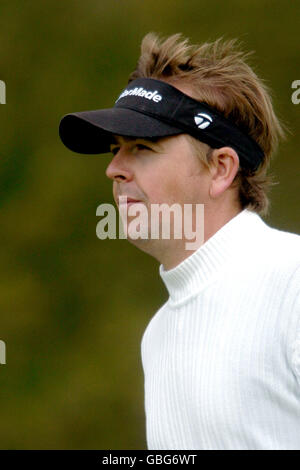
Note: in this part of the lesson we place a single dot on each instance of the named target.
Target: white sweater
(221, 357)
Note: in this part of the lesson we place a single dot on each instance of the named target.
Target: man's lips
(127, 200)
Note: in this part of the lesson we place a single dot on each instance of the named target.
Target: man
(221, 357)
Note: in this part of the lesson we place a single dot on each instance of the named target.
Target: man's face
(165, 171)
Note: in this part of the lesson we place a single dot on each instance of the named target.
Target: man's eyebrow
(115, 139)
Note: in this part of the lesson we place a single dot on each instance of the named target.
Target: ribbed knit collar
(203, 265)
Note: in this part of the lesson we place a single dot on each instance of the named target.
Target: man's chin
(139, 240)
(144, 244)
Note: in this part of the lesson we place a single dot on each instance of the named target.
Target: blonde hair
(219, 75)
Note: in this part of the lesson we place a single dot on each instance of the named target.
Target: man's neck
(173, 252)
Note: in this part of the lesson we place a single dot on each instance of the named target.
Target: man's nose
(120, 167)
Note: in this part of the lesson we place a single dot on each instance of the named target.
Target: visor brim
(91, 132)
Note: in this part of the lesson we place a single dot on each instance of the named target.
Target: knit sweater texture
(221, 357)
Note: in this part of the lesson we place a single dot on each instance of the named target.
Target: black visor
(149, 109)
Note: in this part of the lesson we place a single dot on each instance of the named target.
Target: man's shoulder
(282, 246)
(283, 234)
(275, 251)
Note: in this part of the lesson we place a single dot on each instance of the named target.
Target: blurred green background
(73, 307)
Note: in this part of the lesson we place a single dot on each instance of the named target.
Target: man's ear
(224, 167)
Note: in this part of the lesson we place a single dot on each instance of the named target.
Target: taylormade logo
(202, 120)
(149, 95)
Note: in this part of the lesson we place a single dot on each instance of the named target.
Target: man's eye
(115, 150)
(142, 147)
